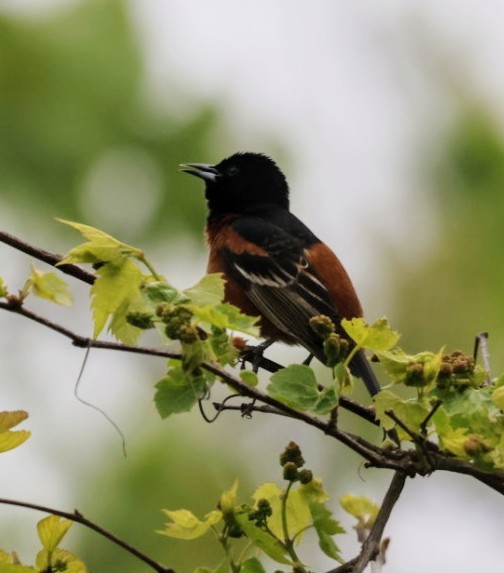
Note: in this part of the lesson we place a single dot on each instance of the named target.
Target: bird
(274, 266)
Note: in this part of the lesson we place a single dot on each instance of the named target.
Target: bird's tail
(361, 368)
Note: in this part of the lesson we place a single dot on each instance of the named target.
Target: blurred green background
(81, 139)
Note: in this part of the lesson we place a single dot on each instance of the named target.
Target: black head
(241, 183)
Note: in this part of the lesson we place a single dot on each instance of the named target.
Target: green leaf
(326, 526)
(249, 377)
(15, 568)
(360, 507)
(178, 392)
(9, 439)
(298, 509)
(223, 567)
(262, 540)
(51, 531)
(297, 387)
(159, 291)
(498, 397)
(227, 500)
(411, 412)
(60, 560)
(114, 287)
(396, 363)
(226, 316)
(185, 525)
(3, 288)
(208, 291)
(377, 336)
(252, 565)
(50, 286)
(100, 248)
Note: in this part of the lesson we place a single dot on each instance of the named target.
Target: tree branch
(47, 257)
(372, 545)
(77, 517)
(408, 462)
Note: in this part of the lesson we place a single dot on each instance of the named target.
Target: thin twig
(371, 546)
(405, 461)
(47, 257)
(77, 517)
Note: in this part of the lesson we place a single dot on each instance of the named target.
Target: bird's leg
(308, 359)
(254, 354)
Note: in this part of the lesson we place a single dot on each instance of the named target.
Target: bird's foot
(254, 354)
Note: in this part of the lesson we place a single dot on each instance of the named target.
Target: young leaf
(249, 377)
(295, 386)
(3, 288)
(326, 527)
(377, 336)
(498, 397)
(252, 565)
(158, 291)
(50, 286)
(178, 392)
(262, 540)
(115, 285)
(410, 412)
(100, 248)
(59, 560)
(207, 291)
(360, 507)
(51, 531)
(9, 439)
(227, 500)
(298, 509)
(185, 525)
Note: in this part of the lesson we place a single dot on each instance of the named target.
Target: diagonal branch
(371, 546)
(77, 517)
(47, 257)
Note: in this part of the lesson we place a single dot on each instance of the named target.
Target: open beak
(201, 170)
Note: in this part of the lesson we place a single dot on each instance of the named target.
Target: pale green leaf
(208, 291)
(360, 507)
(50, 286)
(10, 440)
(227, 500)
(60, 560)
(115, 285)
(51, 531)
(377, 336)
(298, 509)
(263, 541)
(185, 525)
(3, 288)
(252, 565)
(249, 377)
(326, 526)
(498, 397)
(410, 412)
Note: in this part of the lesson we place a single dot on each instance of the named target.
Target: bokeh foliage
(455, 291)
(72, 88)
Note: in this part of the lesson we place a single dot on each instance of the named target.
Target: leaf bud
(322, 325)
(415, 375)
(290, 471)
(292, 453)
(143, 320)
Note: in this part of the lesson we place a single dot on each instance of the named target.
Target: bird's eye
(232, 171)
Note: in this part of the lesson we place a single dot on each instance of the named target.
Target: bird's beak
(201, 170)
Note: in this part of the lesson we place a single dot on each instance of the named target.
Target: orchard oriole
(274, 266)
